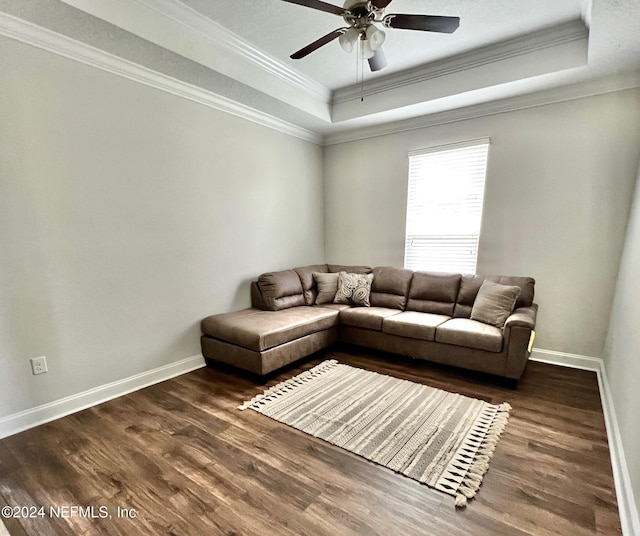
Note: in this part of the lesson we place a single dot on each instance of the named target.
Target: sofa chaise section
(262, 341)
(281, 327)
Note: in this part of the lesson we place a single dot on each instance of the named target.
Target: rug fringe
(286, 386)
(480, 464)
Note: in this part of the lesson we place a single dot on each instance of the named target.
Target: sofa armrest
(517, 336)
(257, 301)
(523, 317)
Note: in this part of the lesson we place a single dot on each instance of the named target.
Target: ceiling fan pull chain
(357, 61)
(360, 60)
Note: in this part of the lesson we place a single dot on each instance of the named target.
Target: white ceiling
(281, 28)
(519, 51)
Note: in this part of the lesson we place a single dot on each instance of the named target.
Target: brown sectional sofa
(424, 315)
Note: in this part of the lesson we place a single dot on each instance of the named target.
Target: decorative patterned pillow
(354, 289)
(494, 303)
(327, 287)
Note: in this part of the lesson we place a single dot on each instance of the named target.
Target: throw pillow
(327, 287)
(494, 303)
(354, 289)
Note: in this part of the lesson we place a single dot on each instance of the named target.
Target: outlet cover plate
(39, 365)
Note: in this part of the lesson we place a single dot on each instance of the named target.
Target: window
(444, 207)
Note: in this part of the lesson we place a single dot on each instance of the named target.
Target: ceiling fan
(361, 17)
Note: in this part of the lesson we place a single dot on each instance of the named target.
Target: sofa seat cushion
(414, 325)
(367, 317)
(336, 306)
(260, 330)
(471, 334)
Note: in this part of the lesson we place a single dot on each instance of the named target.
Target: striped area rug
(444, 440)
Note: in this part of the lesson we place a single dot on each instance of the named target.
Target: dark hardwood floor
(179, 458)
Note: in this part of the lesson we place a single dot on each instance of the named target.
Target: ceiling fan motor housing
(359, 14)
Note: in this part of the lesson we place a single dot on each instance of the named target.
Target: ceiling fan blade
(378, 61)
(317, 4)
(426, 23)
(317, 44)
(380, 4)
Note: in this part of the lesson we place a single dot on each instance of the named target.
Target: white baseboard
(30, 418)
(563, 359)
(629, 518)
(626, 503)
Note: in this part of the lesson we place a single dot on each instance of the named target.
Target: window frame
(473, 201)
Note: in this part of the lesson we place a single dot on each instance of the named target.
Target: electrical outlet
(39, 365)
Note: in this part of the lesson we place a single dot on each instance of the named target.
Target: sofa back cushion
(434, 292)
(390, 287)
(526, 284)
(309, 286)
(349, 269)
(281, 290)
(470, 285)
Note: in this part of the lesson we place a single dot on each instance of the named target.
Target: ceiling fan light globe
(348, 39)
(346, 45)
(375, 37)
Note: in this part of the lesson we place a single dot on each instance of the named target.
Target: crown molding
(219, 36)
(37, 36)
(591, 88)
(34, 35)
(553, 36)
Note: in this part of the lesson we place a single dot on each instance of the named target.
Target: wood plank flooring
(178, 458)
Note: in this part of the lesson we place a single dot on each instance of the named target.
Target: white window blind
(444, 207)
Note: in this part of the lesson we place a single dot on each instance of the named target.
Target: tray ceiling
(280, 28)
(238, 51)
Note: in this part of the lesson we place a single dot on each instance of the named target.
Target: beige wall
(559, 184)
(126, 216)
(622, 356)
